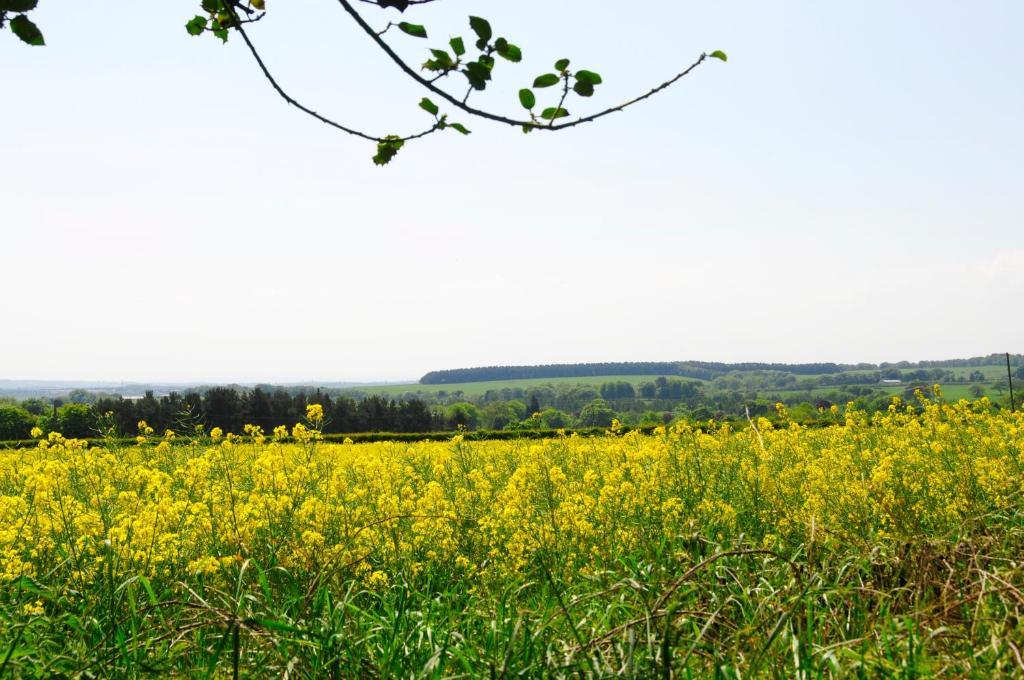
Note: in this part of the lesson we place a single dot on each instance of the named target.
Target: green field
(477, 389)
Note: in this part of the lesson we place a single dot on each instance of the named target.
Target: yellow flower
(314, 413)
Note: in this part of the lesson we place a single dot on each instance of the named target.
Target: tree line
(225, 407)
(704, 370)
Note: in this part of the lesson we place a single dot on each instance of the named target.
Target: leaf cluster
(14, 14)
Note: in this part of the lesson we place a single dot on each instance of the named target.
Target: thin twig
(310, 112)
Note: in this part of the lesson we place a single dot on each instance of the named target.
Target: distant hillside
(701, 370)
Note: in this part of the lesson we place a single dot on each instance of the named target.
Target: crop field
(885, 545)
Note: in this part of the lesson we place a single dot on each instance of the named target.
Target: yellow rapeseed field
(191, 515)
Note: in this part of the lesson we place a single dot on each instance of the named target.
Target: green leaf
(221, 33)
(429, 106)
(196, 26)
(589, 76)
(551, 113)
(546, 80)
(415, 30)
(458, 47)
(583, 88)
(29, 33)
(719, 54)
(482, 28)
(18, 5)
(387, 148)
(460, 127)
(527, 98)
(443, 58)
(512, 53)
(477, 74)
(211, 6)
(561, 64)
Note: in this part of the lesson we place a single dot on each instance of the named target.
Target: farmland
(882, 545)
(990, 373)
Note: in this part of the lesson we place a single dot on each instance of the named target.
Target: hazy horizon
(411, 379)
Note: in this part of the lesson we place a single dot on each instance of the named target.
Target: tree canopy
(545, 100)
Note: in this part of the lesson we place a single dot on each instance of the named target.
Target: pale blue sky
(848, 187)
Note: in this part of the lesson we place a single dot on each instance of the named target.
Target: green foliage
(719, 54)
(197, 25)
(479, 72)
(546, 80)
(527, 98)
(551, 113)
(463, 414)
(15, 422)
(75, 420)
(585, 82)
(24, 28)
(508, 51)
(597, 414)
(387, 149)
(429, 106)
(17, 5)
(415, 30)
(482, 28)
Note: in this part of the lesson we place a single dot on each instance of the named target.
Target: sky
(848, 187)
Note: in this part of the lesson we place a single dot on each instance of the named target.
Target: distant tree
(597, 414)
(15, 422)
(517, 409)
(648, 390)
(80, 396)
(283, 410)
(343, 416)
(414, 416)
(258, 409)
(650, 418)
(149, 409)
(76, 420)
(553, 419)
(375, 414)
(620, 389)
(496, 415)
(222, 408)
(463, 414)
(976, 391)
(36, 406)
(534, 406)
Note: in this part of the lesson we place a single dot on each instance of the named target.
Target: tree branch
(308, 111)
(429, 84)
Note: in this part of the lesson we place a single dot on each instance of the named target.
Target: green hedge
(364, 437)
